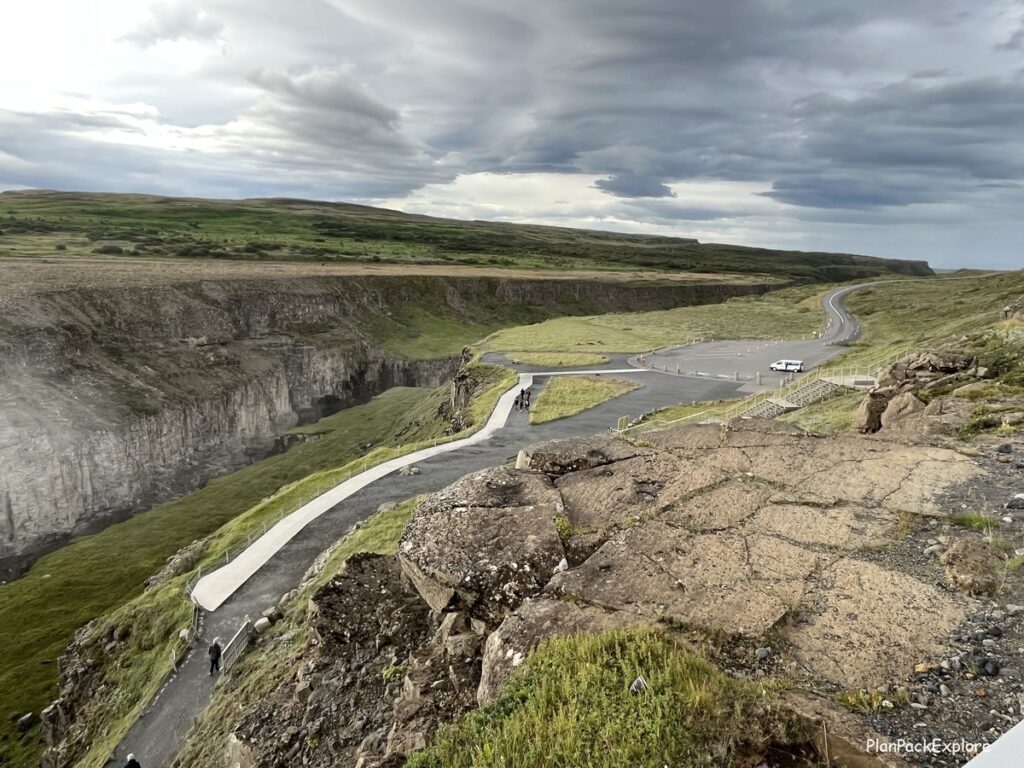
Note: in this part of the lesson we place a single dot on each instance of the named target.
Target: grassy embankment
(926, 313)
(789, 313)
(259, 674)
(569, 395)
(34, 223)
(97, 573)
(570, 705)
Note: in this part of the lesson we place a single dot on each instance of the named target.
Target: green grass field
(98, 573)
(789, 313)
(566, 396)
(70, 225)
(570, 705)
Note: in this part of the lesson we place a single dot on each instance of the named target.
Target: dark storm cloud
(634, 185)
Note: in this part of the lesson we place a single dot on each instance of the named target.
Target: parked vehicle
(789, 366)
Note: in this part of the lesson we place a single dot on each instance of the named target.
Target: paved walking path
(213, 589)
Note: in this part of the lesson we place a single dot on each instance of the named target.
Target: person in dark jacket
(132, 762)
(215, 656)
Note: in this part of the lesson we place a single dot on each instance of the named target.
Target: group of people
(522, 402)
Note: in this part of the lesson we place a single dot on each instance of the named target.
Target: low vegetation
(568, 395)
(789, 313)
(94, 574)
(35, 223)
(827, 417)
(570, 705)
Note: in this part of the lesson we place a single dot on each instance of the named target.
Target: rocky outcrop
(753, 535)
(121, 390)
(484, 544)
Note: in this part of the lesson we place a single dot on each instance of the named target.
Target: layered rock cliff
(124, 385)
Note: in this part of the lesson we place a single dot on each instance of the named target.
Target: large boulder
(973, 565)
(903, 404)
(485, 543)
(868, 417)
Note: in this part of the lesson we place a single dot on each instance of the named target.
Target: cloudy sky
(889, 127)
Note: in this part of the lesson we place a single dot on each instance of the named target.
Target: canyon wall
(116, 395)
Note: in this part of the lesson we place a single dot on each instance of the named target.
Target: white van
(789, 366)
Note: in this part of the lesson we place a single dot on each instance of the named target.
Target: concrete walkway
(213, 589)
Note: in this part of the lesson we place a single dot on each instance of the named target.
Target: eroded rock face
(372, 686)
(485, 543)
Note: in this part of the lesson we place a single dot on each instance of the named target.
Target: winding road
(275, 563)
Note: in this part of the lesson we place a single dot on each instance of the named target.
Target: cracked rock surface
(833, 564)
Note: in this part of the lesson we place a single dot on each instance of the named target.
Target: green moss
(977, 522)
(570, 705)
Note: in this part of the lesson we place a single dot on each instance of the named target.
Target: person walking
(132, 762)
(526, 403)
(215, 656)
(517, 405)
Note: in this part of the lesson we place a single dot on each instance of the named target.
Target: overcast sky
(889, 127)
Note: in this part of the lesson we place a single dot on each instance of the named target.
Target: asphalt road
(156, 737)
(742, 360)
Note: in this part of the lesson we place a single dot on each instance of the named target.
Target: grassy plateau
(46, 223)
(568, 395)
(788, 313)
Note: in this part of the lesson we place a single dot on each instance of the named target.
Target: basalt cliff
(127, 384)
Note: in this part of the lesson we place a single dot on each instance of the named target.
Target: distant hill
(48, 223)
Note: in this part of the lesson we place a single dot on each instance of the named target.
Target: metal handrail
(237, 644)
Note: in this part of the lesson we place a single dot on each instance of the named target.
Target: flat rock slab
(734, 528)
(734, 583)
(869, 625)
(849, 528)
(622, 493)
(724, 506)
(537, 620)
